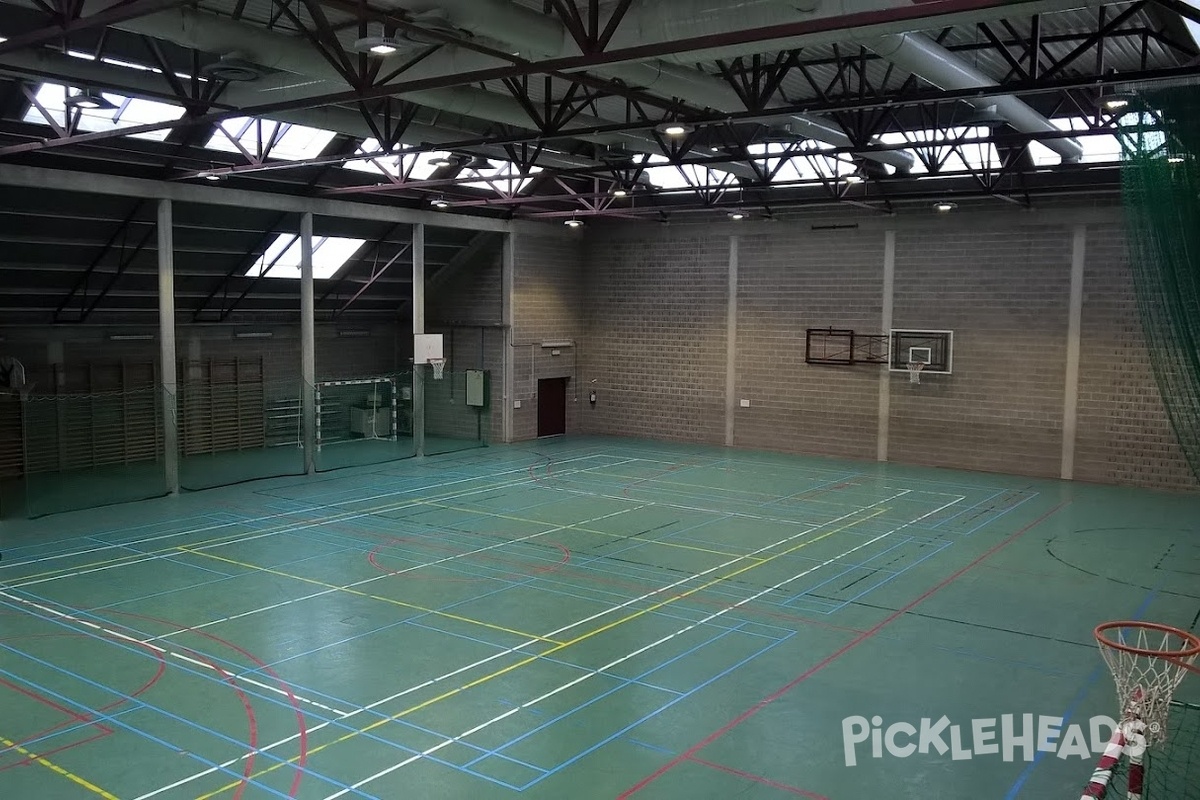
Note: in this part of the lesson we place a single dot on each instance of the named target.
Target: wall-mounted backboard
(934, 349)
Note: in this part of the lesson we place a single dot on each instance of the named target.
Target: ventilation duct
(922, 56)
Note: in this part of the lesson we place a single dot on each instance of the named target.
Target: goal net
(354, 410)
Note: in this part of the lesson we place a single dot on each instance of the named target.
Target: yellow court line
(581, 529)
(348, 590)
(530, 659)
(147, 555)
(50, 765)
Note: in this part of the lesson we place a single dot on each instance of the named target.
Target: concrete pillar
(508, 260)
(418, 316)
(308, 359)
(885, 375)
(731, 403)
(166, 337)
(1074, 325)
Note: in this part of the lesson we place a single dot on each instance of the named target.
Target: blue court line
(652, 714)
(335, 723)
(971, 507)
(140, 705)
(653, 747)
(168, 559)
(848, 568)
(30, 743)
(621, 685)
(1002, 513)
(891, 575)
(1088, 683)
(560, 662)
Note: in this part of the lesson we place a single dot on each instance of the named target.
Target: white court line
(149, 643)
(282, 514)
(374, 578)
(511, 650)
(591, 673)
(334, 519)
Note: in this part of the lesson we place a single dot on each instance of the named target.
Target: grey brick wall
(1123, 433)
(655, 343)
(468, 312)
(791, 278)
(1002, 285)
(1000, 279)
(547, 306)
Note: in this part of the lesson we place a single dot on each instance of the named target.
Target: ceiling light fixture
(852, 177)
(443, 161)
(379, 44)
(620, 191)
(441, 203)
(675, 129)
(574, 223)
(1116, 101)
(737, 215)
(1176, 158)
(209, 176)
(944, 206)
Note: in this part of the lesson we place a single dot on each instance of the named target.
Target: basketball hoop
(438, 364)
(914, 371)
(1148, 661)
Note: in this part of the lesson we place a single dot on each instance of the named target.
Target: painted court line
(352, 586)
(500, 654)
(758, 779)
(50, 765)
(269, 517)
(832, 657)
(645, 648)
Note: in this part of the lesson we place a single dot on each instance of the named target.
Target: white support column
(308, 357)
(885, 376)
(166, 338)
(508, 260)
(1074, 324)
(418, 316)
(731, 403)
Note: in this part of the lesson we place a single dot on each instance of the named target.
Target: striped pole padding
(1098, 786)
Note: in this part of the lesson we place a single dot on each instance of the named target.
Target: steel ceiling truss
(1066, 72)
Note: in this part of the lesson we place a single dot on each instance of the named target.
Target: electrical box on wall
(476, 392)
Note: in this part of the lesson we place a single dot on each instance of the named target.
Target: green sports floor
(575, 618)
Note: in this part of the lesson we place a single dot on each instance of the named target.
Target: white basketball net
(439, 365)
(914, 371)
(1146, 682)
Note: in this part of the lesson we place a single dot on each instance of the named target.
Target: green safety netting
(72, 451)
(1160, 137)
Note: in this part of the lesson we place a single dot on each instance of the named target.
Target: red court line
(301, 723)
(251, 721)
(759, 779)
(813, 670)
(75, 715)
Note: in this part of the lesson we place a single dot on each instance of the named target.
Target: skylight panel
(670, 177)
(269, 139)
(805, 164)
(414, 166)
(505, 179)
(129, 112)
(281, 259)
